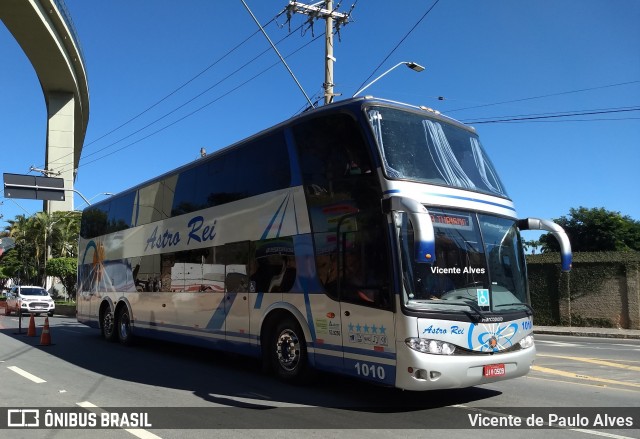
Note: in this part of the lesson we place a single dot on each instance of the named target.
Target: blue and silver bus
(369, 238)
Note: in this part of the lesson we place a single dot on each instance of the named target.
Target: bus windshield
(415, 147)
(479, 263)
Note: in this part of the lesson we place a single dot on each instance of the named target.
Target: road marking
(600, 433)
(26, 374)
(582, 377)
(594, 361)
(558, 343)
(138, 432)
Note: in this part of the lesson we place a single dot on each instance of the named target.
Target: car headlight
(428, 346)
(527, 342)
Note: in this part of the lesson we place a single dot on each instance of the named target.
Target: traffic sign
(32, 187)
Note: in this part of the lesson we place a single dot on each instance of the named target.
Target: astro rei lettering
(197, 231)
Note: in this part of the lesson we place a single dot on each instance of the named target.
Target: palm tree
(64, 234)
(21, 262)
(39, 238)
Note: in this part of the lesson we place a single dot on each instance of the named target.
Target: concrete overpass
(44, 30)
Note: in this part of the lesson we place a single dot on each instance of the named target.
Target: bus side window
(333, 158)
(273, 266)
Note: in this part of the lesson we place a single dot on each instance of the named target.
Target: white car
(29, 299)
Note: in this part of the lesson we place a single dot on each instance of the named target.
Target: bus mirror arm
(425, 249)
(557, 231)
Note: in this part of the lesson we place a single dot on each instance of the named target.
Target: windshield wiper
(471, 305)
(516, 303)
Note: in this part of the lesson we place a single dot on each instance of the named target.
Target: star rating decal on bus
(373, 329)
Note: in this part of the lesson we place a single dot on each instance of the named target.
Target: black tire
(50, 314)
(288, 351)
(108, 325)
(123, 323)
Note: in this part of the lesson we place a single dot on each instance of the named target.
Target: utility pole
(47, 173)
(333, 20)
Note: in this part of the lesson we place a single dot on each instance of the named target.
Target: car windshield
(33, 292)
(479, 263)
(418, 148)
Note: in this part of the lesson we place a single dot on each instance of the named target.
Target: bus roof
(353, 104)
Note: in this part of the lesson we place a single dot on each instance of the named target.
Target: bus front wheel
(288, 351)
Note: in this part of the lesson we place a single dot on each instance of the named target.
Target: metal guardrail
(66, 16)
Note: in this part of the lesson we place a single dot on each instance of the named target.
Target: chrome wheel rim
(288, 350)
(124, 326)
(107, 323)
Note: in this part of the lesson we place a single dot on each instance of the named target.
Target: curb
(630, 334)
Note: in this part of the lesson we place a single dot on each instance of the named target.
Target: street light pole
(48, 230)
(412, 65)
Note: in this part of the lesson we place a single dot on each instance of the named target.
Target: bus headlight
(430, 346)
(527, 342)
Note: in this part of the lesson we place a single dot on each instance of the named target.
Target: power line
(551, 116)
(595, 119)
(171, 93)
(200, 108)
(567, 112)
(178, 88)
(544, 96)
(254, 58)
(398, 45)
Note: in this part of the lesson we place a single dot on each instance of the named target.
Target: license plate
(494, 370)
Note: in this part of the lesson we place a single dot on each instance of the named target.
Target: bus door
(236, 286)
(367, 319)
(237, 300)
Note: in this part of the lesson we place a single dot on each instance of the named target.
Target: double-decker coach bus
(367, 237)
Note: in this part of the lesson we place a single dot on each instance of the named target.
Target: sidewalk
(587, 332)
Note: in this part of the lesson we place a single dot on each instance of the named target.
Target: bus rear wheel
(123, 323)
(107, 325)
(288, 351)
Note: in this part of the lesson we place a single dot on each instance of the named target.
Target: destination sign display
(451, 220)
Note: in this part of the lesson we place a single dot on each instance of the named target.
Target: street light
(88, 201)
(412, 65)
(109, 194)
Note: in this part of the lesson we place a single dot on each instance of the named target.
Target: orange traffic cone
(45, 338)
(31, 332)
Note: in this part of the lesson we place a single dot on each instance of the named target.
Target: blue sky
(488, 59)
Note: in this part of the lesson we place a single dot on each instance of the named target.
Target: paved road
(81, 370)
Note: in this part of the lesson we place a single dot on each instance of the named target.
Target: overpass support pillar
(60, 145)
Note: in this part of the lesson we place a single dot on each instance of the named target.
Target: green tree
(38, 238)
(4, 278)
(64, 234)
(64, 269)
(531, 245)
(596, 229)
(20, 262)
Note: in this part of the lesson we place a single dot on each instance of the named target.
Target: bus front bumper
(421, 371)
